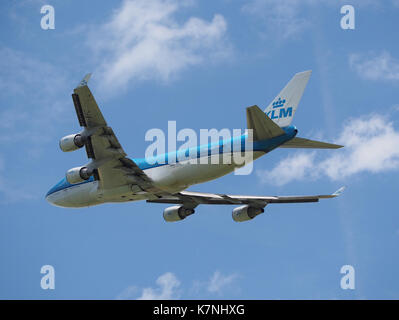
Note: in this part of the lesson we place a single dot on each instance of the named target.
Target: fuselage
(172, 172)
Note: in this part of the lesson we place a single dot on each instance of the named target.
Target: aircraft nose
(56, 200)
(52, 195)
(50, 198)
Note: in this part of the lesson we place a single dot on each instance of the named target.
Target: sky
(201, 64)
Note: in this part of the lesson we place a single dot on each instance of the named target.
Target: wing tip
(339, 191)
(85, 80)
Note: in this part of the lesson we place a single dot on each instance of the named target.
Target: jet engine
(245, 213)
(72, 142)
(78, 174)
(177, 213)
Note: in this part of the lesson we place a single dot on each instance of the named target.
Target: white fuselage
(172, 178)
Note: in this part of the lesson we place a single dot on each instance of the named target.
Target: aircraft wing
(192, 199)
(112, 167)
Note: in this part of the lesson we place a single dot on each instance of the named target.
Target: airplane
(110, 176)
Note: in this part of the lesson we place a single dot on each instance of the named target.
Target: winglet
(339, 192)
(84, 81)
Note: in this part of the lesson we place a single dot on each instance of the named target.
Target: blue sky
(201, 65)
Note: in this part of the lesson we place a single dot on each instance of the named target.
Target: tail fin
(263, 128)
(283, 107)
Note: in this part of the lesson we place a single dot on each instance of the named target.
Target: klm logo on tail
(283, 113)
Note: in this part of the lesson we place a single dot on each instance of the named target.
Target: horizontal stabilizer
(263, 127)
(311, 144)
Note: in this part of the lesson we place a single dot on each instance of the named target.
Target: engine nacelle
(176, 213)
(245, 213)
(78, 174)
(72, 142)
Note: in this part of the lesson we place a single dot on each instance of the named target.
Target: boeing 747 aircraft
(110, 176)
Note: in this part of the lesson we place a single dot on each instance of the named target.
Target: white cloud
(169, 287)
(294, 167)
(371, 145)
(128, 294)
(282, 16)
(288, 18)
(38, 83)
(144, 40)
(219, 282)
(23, 75)
(375, 67)
(32, 104)
(11, 192)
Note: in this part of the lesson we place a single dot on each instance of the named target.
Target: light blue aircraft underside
(110, 176)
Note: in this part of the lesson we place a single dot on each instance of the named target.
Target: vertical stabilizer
(282, 109)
